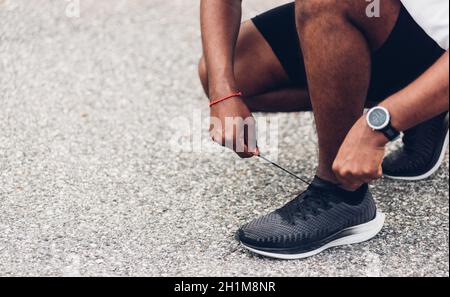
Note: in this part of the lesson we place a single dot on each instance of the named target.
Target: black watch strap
(390, 132)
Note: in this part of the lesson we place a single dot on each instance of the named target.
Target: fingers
(240, 137)
(250, 138)
(348, 181)
(238, 145)
(257, 152)
(246, 154)
(249, 150)
(352, 177)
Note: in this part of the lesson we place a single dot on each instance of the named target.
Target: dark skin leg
(261, 77)
(337, 39)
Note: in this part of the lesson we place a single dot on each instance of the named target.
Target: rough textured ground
(89, 184)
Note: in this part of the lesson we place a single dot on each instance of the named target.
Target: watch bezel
(385, 124)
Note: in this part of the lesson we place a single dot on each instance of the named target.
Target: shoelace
(309, 203)
(285, 170)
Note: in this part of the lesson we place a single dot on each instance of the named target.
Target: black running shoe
(423, 151)
(324, 216)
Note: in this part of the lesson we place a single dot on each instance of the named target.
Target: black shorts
(407, 53)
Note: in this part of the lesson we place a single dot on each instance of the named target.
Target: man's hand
(220, 23)
(360, 156)
(233, 126)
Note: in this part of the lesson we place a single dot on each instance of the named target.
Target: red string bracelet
(214, 102)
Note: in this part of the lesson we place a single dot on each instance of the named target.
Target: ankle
(327, 176)
(331, 178)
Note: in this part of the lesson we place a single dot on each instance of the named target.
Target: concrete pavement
(89, 184)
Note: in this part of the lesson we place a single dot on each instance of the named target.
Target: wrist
(221, 89)
(394, 116)
(379, 119)
(376, 138)
(236, 95)
(224, 93)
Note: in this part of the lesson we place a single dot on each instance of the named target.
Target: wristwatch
(379, 119)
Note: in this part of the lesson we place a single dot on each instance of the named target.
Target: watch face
(378, 118)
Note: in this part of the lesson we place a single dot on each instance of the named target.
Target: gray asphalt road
(90, 184)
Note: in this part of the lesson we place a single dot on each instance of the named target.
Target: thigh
(268, 55)
(257, 68)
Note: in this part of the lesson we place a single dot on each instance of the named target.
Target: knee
(203, 74)
(308, 10)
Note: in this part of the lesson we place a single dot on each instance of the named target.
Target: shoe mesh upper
(276, 230)
(421, 149)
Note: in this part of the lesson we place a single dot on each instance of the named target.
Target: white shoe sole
(360, 233)
(432, 170)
